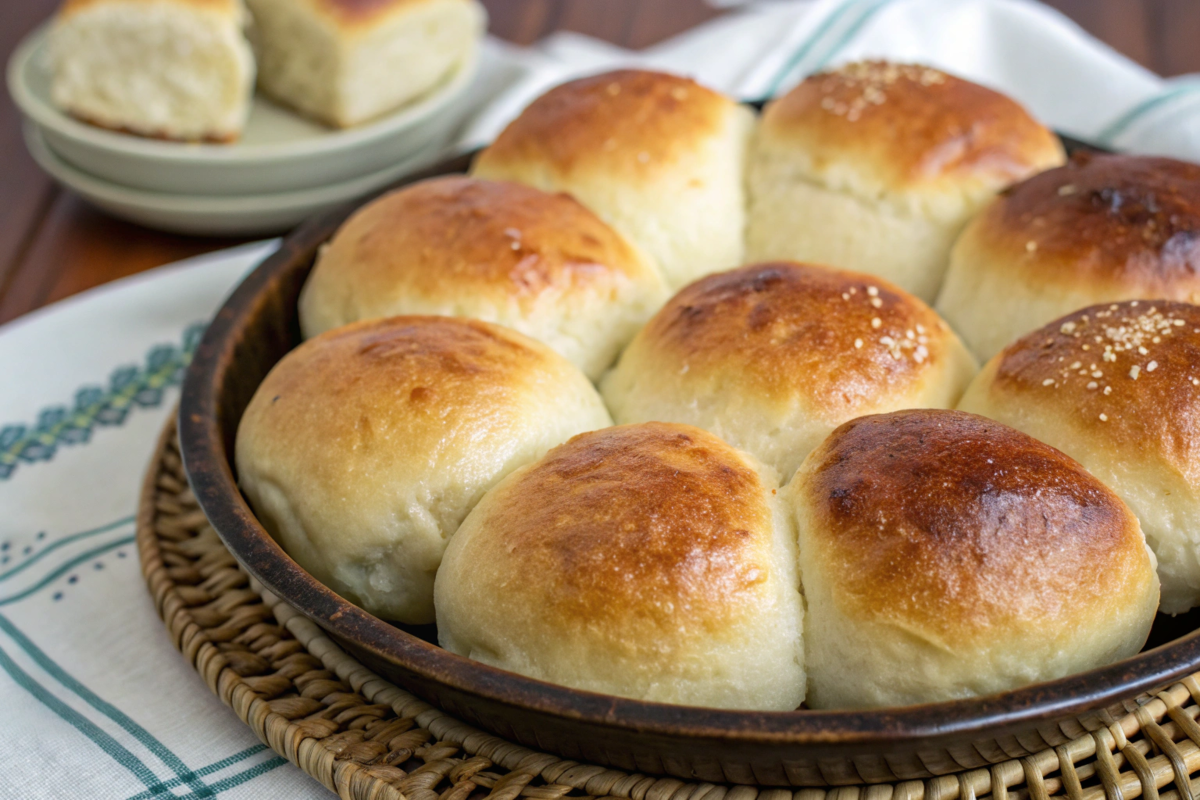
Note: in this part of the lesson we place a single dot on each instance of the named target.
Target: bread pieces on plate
(170, 69)
(345, 62)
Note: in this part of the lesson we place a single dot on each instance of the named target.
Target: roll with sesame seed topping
(772, 357)
(1117, 387)
(657, 156)
(944, 555)
(1102, 229)
(876, 167)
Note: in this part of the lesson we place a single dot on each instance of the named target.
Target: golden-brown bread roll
(876, 167)
(1102, 229)
(348, 61)
(536, 262)
(364, 448)
(772, 357)
(944, 555)
(1117, 387)
(646, 561)
(171, 69)
(657, 156)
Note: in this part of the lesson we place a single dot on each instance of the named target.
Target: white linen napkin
(1068, 79)
(94, 700)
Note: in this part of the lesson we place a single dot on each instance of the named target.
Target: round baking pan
(258, 324)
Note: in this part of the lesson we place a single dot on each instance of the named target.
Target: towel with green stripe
(94, 700)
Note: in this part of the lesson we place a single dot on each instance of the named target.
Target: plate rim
(87, 184)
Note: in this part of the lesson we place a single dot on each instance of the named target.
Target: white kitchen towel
(1068, 79)
(94, 700)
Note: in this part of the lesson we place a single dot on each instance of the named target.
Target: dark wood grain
(25, 191)
(1175, 25)
(78, 247)
(1120, 23)
(53, 245)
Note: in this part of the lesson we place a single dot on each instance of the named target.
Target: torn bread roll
(345, 62)
(170, 69)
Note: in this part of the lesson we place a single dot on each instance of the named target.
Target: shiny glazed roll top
(657, 156)
(364, 448)
(944, 555)
(646, 561)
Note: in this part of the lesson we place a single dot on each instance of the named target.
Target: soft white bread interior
(646, 561)
(657, 156)
(1117, 387)
(173, 69)
(773, 357)
(876, 167)
(346, 61)
(364, 448)
(944, 555)
(537, 262)
(1102, 229)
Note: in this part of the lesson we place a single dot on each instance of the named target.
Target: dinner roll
(657, 156)
(1102, 229)
(539, 263)
(1117, 387)
(170, 69)
(647, 561)
(877, 166)
(364, 448)
(944, 555)
(348, 61)
(772, 357)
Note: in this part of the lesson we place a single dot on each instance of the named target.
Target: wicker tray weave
(366, 739)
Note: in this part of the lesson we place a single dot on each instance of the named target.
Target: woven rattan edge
(378, 742)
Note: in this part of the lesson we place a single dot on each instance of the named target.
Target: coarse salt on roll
(876, 167)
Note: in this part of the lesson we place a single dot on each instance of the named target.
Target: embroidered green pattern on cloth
(128, 387)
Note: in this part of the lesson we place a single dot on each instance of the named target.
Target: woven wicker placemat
(366, 739)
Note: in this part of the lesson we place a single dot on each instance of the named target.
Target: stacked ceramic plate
(284, 169)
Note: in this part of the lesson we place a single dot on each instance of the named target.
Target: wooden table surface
(53, 245)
